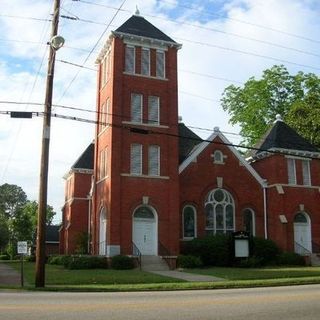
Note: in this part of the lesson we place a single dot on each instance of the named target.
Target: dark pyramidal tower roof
(281, 136)
(85, 161)
(139, 26)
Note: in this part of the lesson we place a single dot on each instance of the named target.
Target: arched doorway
(145, 230)
(302, 233)
(103, 232)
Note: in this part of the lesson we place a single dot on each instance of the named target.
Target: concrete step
(315, 260)
(153, 263)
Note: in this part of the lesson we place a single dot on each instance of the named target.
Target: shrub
(61, 260)
(82, 239)
(189, 261)
(265, 250)
(213, 250)
(31, 258)
(86, 262)
(291, 259)
(251, 262)
(4, 257)
(122, 263)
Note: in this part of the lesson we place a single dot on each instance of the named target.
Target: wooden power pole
(43, 188)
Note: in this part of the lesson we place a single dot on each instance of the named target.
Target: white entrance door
(302, 237)
(144, 236)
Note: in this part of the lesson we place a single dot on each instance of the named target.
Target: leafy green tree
(255, 105)
(4, 233)
(12, 197)
(18, 216)
(31, 209)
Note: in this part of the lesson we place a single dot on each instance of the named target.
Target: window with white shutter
(145, 62)
(154, 160)
(160, 64)
(136, 107)
(306, 172)
(130, 59)
(103, 73)
(136, 159)
(103, 164)
(291, 171)
(153, 109)
(101, 117)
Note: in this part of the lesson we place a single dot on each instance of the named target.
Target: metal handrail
(136, 252)
(163, 251)
(298, 248)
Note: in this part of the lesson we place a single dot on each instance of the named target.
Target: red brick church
(149, 182)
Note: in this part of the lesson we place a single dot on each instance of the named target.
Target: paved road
(250, 304)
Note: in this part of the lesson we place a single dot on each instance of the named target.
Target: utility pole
(43, 188)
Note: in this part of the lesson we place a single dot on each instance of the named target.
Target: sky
(224, 42)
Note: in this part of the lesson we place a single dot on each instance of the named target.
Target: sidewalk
(187, 276)
(9, 276)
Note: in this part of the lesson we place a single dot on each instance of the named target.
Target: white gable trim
(203, 146)
(196, 152)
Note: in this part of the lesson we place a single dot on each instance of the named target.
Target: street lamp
(55, 44)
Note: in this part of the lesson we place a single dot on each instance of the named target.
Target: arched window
(189, 222)
(219, 208)
(300, 218)
(144, 212)
(249, 224)
(218, 156)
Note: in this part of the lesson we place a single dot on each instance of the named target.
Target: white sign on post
(22, 247)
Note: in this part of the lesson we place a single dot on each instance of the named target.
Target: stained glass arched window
(219, 210)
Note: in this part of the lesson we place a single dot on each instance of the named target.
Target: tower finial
(278, 118)
(137, 13)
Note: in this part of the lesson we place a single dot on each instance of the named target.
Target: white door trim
(302, 235)
(140, 239)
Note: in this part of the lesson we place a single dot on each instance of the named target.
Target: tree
(18, 217)
(12, 197)
(255, 105)
(31, 209)
(4, 233)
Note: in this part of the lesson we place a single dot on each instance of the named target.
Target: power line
(251, 54)
(24, 18)
(243, 22)
(180, 22)
(132, 128)
(76, 65)
(93, 48)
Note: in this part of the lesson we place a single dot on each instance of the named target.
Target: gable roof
(188, 140)
(281, 136)
(205, 143)
(52, 233)
(139, 26)
(85, 161)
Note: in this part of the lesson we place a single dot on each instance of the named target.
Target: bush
(31, 258)
(212, 250)
(251, 262)
(122, 263)
(291, 259)
(189, 261)
(86, 262)
(4, 257)
(61, 260)
(265, 250)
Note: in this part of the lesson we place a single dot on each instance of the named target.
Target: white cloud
(20, 63)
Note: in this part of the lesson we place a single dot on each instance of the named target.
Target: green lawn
(58, 275)
(60, 279)
(259, 273)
